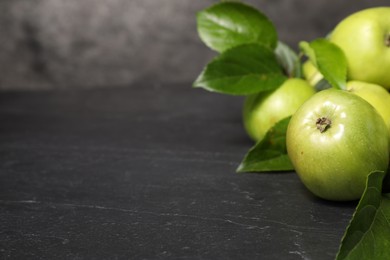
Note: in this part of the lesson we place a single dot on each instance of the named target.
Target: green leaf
(229, 24)
(288, 59)
(242, 70)
(269, 154)
(368, 234)
(329, 60)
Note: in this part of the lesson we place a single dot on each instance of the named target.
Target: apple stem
(387, 40)
(323, 123)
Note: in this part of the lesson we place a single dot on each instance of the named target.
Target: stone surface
(147, 172)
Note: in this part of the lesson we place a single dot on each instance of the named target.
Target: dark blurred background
(57, 44)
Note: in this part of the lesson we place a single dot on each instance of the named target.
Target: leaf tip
(240, 168)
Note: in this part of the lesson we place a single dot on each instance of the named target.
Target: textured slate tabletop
(147, 172)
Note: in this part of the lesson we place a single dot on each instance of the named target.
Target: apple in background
(334, 140)
(365, 39)
(374, 94)
(262, 111)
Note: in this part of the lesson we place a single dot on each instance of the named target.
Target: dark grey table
(147, 172)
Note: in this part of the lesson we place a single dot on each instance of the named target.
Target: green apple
(374, 94)
(262, 111)
(334, 140)
(365, 39)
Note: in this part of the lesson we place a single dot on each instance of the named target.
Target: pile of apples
(335, 138)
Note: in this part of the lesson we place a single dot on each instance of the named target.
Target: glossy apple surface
(365, 39)
(334, 141)
(264, 110)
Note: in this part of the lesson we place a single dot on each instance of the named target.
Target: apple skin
(334, 164)
(262, 111)
(365, 39)
(374, 94)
